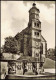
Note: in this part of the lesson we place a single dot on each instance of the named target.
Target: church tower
(35, 27)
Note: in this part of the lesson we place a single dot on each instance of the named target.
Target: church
(31, 43)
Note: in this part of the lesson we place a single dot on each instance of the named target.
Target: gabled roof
(24, 31)
(43, 39)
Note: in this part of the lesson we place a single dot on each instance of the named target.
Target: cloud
(15, 17)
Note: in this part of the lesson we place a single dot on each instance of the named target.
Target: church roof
(24, 31)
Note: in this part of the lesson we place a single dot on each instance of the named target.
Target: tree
(11, 45)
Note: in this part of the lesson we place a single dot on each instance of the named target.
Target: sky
(15, 18)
